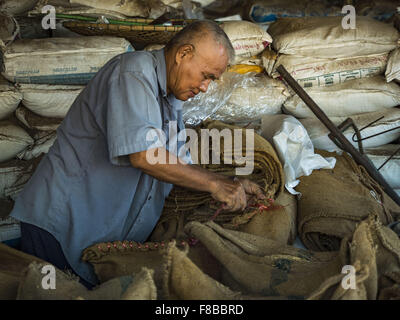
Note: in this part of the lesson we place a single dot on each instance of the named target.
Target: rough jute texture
(267, 171)
(258, 266)
(185, 281)
(117, 259)
(67, 287)
(374, 252)
(278, 223)
(334, 201)
(12, 266)
(183, 205)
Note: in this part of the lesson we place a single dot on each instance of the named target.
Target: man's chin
(184, 96)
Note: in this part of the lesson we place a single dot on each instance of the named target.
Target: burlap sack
(264, 267)
(12, 265)
(392, 293)
(332, 289)
(67, 287)
(273, 224)
(374, 252)
(267, 172)
(185, 281)
(117, 259)
(277, 223)
(334, 201)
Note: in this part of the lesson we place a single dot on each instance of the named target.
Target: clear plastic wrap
(237, 98)
(203, 105)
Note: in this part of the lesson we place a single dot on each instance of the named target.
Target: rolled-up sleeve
(133, 117)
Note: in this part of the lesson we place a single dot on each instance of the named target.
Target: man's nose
(204, 85)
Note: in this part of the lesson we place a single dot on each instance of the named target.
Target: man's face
(195, 70)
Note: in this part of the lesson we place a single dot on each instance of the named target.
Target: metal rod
(388, 159)
(374, 135)
(338, 135)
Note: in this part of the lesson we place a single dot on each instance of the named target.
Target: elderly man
(95, 184)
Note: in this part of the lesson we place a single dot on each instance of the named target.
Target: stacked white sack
(14, 7)
(319, 133)
(36, 122)
(393, 66)
(13, 140)
(14, 175)
(51, 101)
(115, 9)
(318, 51)
(325, 37)
(43, 140)
(248, 39)
(391, 170)
(60, 60)
(321, 72)
(348, 98)
(10, 98)
(9, 29)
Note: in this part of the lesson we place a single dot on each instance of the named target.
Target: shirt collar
(161, 70)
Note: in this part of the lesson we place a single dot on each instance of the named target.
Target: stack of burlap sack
(249, 254)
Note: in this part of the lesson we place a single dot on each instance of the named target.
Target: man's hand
(251, 187)
(223, 189)
(233, 192)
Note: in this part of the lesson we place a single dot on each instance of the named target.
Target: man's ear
(185, 51)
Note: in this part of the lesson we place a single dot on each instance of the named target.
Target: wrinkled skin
(190, 69)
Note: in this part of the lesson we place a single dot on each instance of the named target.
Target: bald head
(197, 55)
(201, 31)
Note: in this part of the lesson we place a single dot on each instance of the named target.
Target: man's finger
(253, 188)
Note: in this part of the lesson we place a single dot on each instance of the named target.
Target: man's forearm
(184, 175)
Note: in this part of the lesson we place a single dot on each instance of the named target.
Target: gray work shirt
(85, 191)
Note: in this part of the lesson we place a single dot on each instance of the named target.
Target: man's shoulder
(138, 62)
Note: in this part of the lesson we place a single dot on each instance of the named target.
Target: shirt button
(149, 198)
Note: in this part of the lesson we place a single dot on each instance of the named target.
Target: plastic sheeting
(237, 98)
(294, 148)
